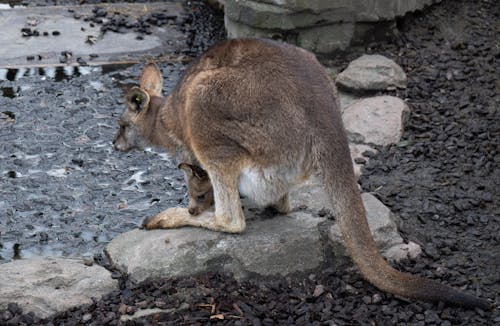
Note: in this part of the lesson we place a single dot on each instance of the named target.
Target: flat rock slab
(371, 73)
(49, 285)
(279, 245)
(73, 34)
(298, 242)
(376, 120)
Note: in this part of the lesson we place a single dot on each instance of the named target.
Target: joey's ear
(186, 168)
(199, 172)
(137, 99)
(151, 80)
(193, 170)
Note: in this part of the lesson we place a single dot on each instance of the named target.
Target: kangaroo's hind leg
(228, 215)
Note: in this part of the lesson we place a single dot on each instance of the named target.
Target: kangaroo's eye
(201, 197)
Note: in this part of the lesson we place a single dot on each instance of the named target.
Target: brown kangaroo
(261, 117)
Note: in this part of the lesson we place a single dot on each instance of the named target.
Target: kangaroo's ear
(151, 80)
(137, 99)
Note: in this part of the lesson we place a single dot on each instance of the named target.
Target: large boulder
(281, 245)
(371, 73)
(298, 242)
(321, 26)
(49, 285)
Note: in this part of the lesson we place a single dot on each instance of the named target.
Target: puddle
(13, 250)
(59, 73)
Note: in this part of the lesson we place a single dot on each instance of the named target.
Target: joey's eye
(201, 197)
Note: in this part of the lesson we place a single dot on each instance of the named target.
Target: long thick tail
(350, 213)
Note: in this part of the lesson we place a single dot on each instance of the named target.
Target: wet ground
(65, 191)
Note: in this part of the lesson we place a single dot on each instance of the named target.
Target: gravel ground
(441, 179)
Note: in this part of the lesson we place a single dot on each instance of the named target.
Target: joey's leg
(282, 205)
(228, 215)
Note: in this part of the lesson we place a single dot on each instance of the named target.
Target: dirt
(65, 191)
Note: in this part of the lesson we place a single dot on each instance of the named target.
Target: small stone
(372, 73)
(87, 317)
(88, 262)
(376, 298)
(81, 61)
(43, 237)
(56, 33)
(122, 309)
(318, 290)
(14, 308)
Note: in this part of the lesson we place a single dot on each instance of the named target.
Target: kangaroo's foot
(176, 217)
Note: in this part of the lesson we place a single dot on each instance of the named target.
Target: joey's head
(137, 119)
(200, 192)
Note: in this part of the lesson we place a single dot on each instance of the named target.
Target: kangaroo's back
(270, 98)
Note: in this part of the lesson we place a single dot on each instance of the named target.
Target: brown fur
(260, 117)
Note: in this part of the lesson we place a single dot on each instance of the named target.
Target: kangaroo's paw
(170, 218)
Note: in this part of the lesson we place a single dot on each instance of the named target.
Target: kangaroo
(261, 117)
(200, 192)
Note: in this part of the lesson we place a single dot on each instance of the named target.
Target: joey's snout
(119, 144)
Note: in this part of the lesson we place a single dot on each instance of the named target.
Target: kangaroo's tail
(350, 213)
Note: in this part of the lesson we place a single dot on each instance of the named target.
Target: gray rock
(371, 73)
(347, 99)
(287, 15)
(383, 224)
(376, 120)
(148, 312)
(281, 245)
(401, 251)
(321, 26)
(320, 39)
(49, 285)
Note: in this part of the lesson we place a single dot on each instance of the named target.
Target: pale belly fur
(267, 186)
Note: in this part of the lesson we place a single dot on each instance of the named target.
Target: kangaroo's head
(200, 192)
(136, 121)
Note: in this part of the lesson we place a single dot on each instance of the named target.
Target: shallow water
(64, 190)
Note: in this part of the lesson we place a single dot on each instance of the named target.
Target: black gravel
(442, 179)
